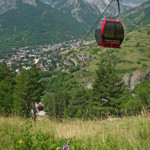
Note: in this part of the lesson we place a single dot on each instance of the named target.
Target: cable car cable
(96, 22)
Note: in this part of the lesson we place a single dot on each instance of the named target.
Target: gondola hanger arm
(117, 14)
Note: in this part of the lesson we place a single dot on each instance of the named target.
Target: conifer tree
(79, 103)
(6, 89)
(107, 88)
(56, 104)
(28, 91)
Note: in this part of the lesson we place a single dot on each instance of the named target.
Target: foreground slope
(112, 134)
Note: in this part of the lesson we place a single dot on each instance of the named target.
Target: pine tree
(6, 89)
(107, 89)
(28, 91)
(6, 73)
(79, 103)
(56, 104)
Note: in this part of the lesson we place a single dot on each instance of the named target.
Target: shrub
(138, 62)
(148, 32)
(127, 38)
(133, 106)
(144, 65)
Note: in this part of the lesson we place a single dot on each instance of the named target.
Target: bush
(127, 38)
(138, 62)
(138, 44)
(148, 32)
(144, 65)
(133, 106)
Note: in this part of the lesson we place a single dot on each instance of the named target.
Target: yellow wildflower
(20, 141)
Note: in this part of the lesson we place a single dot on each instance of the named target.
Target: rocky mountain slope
(139, 16)
(6, 5)
(86, 11)
(134, 3)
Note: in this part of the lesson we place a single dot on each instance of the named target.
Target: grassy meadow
(127, 133)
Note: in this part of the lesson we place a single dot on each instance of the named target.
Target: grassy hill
(113, 134)
(137, 17)
(34, 25)
(134, 54)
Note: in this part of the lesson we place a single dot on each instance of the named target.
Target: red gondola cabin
(109, 33)
(40, 107)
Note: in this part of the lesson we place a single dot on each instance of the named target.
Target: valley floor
(112, 134)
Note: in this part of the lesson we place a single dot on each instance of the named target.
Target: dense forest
(62, 99)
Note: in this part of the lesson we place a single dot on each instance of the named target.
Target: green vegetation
(19, 93)
(35, 25)
(108, 96)
(6, 89)
(126, 59)
(107, 89)
(66, 95)
(128, 133)
(67, 99)
(28, 91)
(137, 17)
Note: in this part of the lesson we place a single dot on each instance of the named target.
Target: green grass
(128, 133)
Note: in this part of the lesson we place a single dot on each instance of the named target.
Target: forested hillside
(34, 25)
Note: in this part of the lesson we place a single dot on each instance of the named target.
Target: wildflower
(85, 148)
(65, 146)
(20, 141)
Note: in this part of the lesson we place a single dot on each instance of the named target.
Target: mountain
(6, 5)
(136, 17)
(33, 22)
(134, 3)
(86, 11)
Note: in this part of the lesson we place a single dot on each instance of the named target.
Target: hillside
(34, 25)
(137, 17)
(81, 62)
(112, 134)
(133, 55)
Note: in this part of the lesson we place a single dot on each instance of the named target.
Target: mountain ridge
(7, 5)
(86, 11)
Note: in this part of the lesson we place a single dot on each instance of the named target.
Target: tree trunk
(34, 112)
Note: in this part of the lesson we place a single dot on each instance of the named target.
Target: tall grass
(112, 134)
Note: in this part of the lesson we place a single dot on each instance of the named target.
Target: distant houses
(47, 57)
